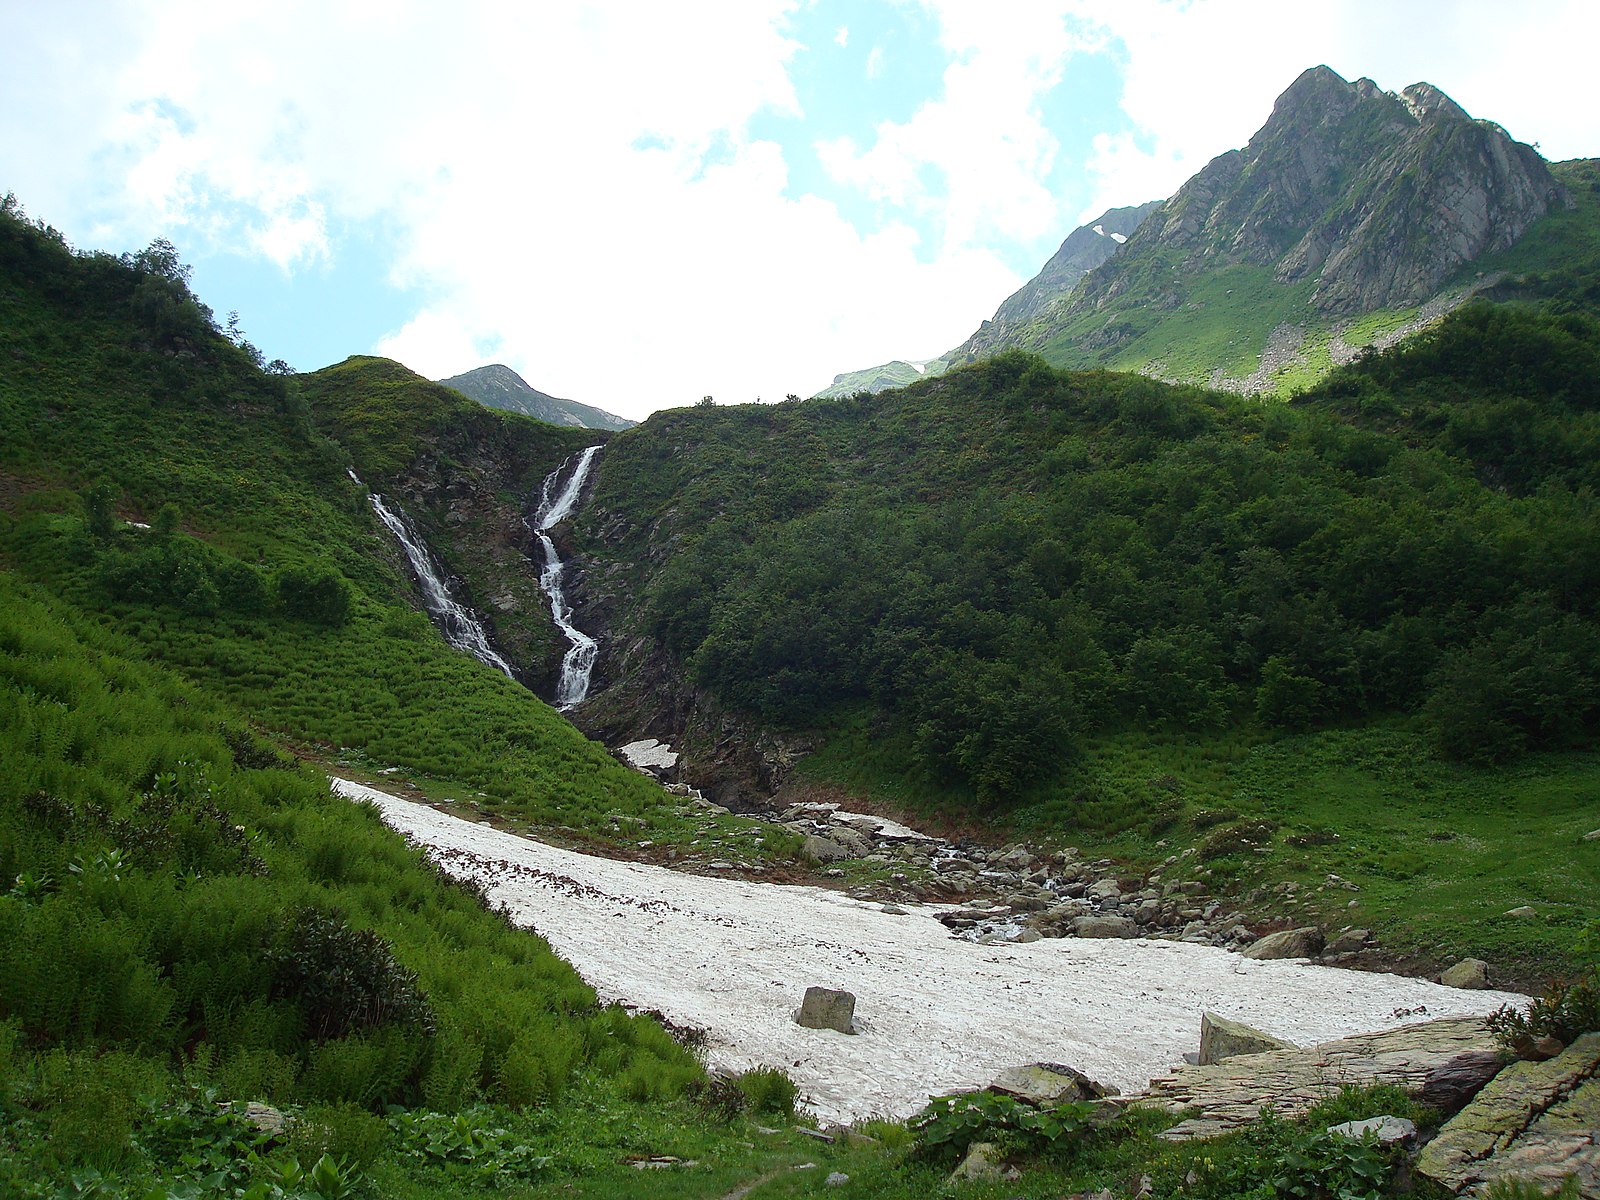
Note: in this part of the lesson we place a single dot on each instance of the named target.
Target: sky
(636, 204)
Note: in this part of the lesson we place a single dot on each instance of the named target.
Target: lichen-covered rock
(1471, 973)
(1232, 1093)
(982, 1164)
(1049, 1083)
(1538, 1119)
(1221, 1038)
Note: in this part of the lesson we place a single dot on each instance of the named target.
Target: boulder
(1104, 927)
(827, 1008)
(1451, 1084)
(1387, 1131)
(1048, 1084)
(1522, 911)
(1221, 1038)
(982, 1164)
(1348, 942)
(1105, 889)
(824, 850)
(1291, 943)
(1470, 973)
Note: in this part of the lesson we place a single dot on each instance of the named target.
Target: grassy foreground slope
(990, 588)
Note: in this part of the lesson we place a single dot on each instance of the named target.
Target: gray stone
(1592, 836)
(1221, 1038)
(836, 1179)
(1451, 1084)
(1231, 1094)
(1348, 942)
(1470, 973)
(1291, 943)
(982, 1164)
(824, 850)
(1049, 1083)
(1104, 927)
(1386, 1130)
(1105, 889)
(264, 1117)
(1523, 911)
(827, 1008)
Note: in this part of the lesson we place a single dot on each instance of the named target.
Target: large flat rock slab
(1232, 1093)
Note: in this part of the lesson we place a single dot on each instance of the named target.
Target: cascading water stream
(554, 508)
(458, 623)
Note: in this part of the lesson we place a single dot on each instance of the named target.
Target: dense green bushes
(1006, 557)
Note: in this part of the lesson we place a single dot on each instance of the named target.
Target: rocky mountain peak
(1377, 197)
(1427, 102)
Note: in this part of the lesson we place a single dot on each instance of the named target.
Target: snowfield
(934, 1013)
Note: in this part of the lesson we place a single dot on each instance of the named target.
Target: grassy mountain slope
(187, 912)
(988, 588)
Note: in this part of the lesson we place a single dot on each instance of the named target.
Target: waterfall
(458, 623)
(553, 509)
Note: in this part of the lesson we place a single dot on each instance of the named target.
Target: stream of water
(556, 506)
(458, 623)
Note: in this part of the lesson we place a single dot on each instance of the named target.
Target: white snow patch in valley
(649, 753)
(934, 1013)
(1119, 238)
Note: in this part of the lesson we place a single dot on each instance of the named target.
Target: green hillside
(187, 913)
(1089, 604)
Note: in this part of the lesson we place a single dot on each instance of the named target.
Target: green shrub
(341, 1131)
(946, 1129)
(319, 595)
(93, 1101)
(1565, 1011)
(471, 1145)
(769, 1090)
(345, 980)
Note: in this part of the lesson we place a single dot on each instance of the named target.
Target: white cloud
(841, 36)
(577, 189)
(977, 158)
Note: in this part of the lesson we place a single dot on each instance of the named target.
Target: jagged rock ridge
(1375, 199)
(498, 386)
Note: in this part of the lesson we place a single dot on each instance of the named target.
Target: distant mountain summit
(498, 386)
(1085, 248)
(1353, 216)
